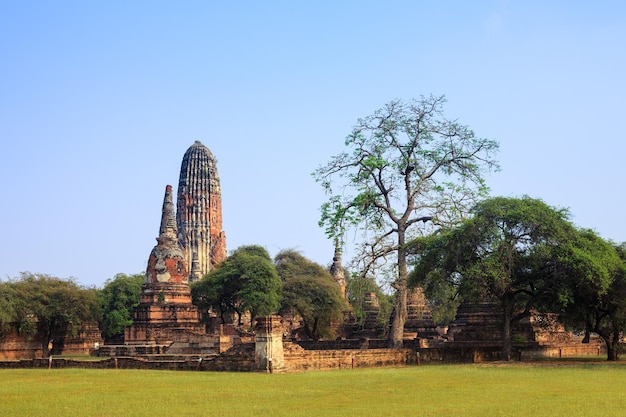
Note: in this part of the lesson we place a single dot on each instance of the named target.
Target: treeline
(520, 252)
(47, 307)
(249, 282)
(529, 258)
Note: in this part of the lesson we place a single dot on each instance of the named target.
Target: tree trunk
(615, 347)
(399, 317)
(506, 329)
(611, 341)
(46, 346)
(587, 337)
(314, 333)
(610, 351)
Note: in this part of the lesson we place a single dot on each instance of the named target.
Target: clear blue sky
(100, 99)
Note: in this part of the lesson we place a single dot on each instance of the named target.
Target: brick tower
(165, 309)
(199, 211)
(337, 272)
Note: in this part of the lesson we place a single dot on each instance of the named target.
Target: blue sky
(99, 101)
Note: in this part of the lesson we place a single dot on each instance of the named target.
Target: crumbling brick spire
(165, 310)
(167, 261)
(337, 271)
(168, 216)
(199, 211)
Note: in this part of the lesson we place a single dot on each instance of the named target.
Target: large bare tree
(407, 171)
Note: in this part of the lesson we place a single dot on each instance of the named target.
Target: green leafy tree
(504, 252)
(408, 170)
(443, 300)
(246, 282)
(51, 307)
(8, 314)
(311, 292)
(117, 300)
(591, 289)
(357, 287)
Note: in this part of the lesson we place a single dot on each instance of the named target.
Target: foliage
(245, 282)
(8, 313)
(357, 287)
(592, 287)
(118, 299)
(408, 170)
(311, 291)
(505, 252)
(50, 307)
(443, 301)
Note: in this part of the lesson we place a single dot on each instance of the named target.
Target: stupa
(338, 273)
(165, 309)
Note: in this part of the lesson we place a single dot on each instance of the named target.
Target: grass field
(592, 389)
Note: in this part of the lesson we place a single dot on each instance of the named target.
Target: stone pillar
(268, 354)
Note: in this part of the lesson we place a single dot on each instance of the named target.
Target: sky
(99, 101)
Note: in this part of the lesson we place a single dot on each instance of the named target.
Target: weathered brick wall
(299, 359)
(14, 346)
(241, 358)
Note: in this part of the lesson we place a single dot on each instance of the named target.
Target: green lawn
(592, 389)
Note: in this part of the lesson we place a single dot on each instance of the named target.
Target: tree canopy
(407, 170)
(357, 287)
(246, 282)
(8, 307)
(311, 291)
(591, 287)
(504, 252)
(118, 299)
(50, 307)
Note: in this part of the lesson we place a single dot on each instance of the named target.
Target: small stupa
(419, 321)
(338, 273)
(165, 309)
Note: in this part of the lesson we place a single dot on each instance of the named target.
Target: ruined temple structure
(482, 321)
(165, 311)
(371, 326)
(419, 320)
(338, 273)
(348, 325)
(199, 211)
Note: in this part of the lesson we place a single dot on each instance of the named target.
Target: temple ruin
(338, 273)
(199, 211)
(165, 311)
(167, 331)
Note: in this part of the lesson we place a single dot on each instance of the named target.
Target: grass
(587, 389)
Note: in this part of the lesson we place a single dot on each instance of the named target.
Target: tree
(51, 307)
(357, 287)
(591, 289)
(409, 169)
(311, 291)
(245, 282)
(8, 314)
(117, 300)
(505, 252)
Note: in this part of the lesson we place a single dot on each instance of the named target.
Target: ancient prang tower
(199, 211)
